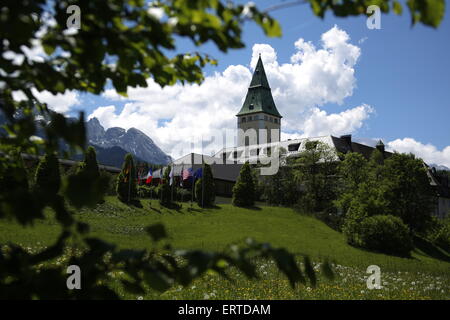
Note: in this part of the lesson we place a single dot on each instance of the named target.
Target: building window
(250, 118)
(293, 147)
(271, 119)
(275, 120)
(265, 118)
(243, 119)
(251, 107)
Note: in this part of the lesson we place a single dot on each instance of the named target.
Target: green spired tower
(258, 111)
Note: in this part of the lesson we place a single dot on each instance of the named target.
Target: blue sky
(402, 73)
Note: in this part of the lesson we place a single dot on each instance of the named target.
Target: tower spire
(259, 96)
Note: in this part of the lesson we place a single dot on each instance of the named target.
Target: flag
(186, 174)
(149, 176)
(171, 175)
(198, 173)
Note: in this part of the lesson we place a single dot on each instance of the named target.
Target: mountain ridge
(132, 140)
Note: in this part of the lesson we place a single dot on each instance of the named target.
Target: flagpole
(171, 179)
(129, 185)
(203, 182)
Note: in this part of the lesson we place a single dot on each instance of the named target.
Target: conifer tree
(90, 163)
(205, 197)
(47, 177)
(166, 190)
(126, 181)
(244, 188)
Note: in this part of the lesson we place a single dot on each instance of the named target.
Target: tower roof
(259, 96)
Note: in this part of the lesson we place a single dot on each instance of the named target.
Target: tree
(126, 181)
(407, 190)
(280, 188)
(166, 189)
(90, 166)
(86, 186)
(352, 172)
(314, 171)
(205, 197)
(244, 188)
(48, 178)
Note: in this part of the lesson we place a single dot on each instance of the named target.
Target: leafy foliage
(382, 233)
(166, 190)
(244, 188)
(281, 188)
(407, 190)
(126, 181)
(205, 193)
(428, 12)
(314, 172)
(87, 186)
(439, 232)
(48, 180)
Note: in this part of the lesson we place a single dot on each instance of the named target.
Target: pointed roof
(259, 96)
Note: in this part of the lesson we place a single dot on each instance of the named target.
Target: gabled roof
(259, 96)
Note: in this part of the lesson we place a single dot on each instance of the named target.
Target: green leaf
(397, 8)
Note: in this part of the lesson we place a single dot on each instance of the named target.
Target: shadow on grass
(155, 209)
(430, 250)
(135, 203)
(253, 208)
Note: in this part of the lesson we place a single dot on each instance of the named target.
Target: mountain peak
(132, 140)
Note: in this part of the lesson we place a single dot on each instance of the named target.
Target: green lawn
(225, 224)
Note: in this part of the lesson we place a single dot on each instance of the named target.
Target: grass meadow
(425, 275)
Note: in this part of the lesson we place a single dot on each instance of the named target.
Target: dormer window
(251, 107)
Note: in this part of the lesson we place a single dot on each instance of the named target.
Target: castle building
(258, 111)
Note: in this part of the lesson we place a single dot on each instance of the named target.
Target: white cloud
(62, 102)
(429, 153)
(172, 116)
(320, 123)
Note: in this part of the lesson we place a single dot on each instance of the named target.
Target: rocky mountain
(439, 167)
(132, 140)
(108, 156)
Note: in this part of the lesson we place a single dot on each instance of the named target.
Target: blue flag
(198, 173)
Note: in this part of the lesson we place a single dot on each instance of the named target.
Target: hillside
(215, 228)
(426, 275)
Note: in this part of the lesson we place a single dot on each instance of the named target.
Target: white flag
(171, 175)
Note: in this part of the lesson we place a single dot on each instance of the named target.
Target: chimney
(348, 139)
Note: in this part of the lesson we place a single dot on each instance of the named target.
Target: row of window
(254, 118)
(252, 152)
(267, 150)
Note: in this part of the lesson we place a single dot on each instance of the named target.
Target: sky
(331, 76)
